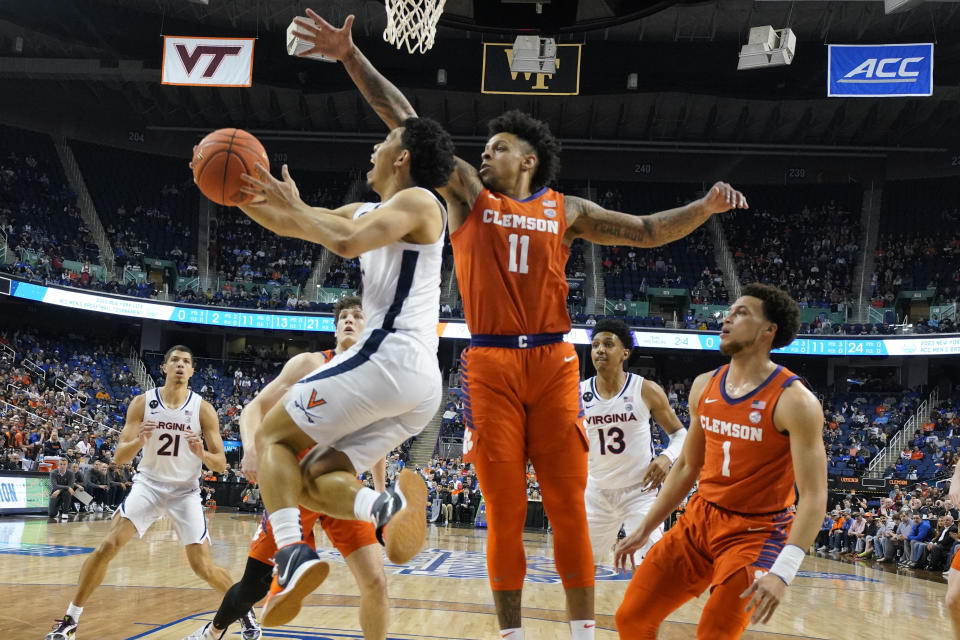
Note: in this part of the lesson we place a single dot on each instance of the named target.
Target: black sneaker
(297, 572)
(65, 629)
(402, 506)
(249, 626)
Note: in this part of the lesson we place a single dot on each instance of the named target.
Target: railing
(595, 288)
(87, 209)
(133, 275)
(886, 455)
(725, 258)
(139, 370)
(4, 249)
(7, 351)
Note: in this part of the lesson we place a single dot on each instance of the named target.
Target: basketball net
(412, 23)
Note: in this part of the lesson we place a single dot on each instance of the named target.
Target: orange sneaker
(297, 572)
(404, 507)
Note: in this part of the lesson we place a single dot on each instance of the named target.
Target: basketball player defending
(166, 423)
(384, 389)
(511, 237)
(623, 474)
(755, 430)
(953, 578)
(356, 541)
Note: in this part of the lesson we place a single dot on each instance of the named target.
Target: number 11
(524, 242)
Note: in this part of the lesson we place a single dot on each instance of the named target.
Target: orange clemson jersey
(511, 264)
(747, 465)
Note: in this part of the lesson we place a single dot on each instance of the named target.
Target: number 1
(725, 469)
(524, 242)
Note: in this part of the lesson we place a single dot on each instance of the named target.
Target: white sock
(74, 611)
(363, 504)
(511, 634)
(211, 633)
(582, 629)
(286, 526)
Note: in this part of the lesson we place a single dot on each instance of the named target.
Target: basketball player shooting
(380, 392)
(511, 237)
(755, 433)
(166, 423)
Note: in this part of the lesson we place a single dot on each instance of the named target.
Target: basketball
(220, 160)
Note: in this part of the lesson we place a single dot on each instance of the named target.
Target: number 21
(524, 242)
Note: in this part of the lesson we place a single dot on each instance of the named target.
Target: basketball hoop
(412, 23)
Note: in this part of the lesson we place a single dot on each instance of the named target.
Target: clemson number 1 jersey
(619, 433)
(511, 261)
(747, 465)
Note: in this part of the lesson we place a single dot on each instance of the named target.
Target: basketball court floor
(149, 591)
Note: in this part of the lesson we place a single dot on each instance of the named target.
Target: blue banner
(874, 71)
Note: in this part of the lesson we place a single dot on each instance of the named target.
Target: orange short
(522, 404)
(955, 563)
(346, 535)
(707, 547)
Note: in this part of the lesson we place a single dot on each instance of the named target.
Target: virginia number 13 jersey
(618, 429)
(167, 458)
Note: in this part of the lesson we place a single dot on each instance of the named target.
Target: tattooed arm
(385, 98)
(593, 223)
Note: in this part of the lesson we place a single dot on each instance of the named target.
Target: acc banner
(875, 71)
(218, 62)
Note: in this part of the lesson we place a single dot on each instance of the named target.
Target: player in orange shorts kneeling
(755, 432)
(355, 540)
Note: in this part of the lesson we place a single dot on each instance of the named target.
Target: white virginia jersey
(167, 458)
(618, 429)
(401, 285)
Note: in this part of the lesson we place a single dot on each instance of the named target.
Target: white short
(369, 399)
(148, 502)
(608, 509)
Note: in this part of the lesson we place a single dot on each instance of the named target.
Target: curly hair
(346, 302)
(537, 135)
(779, 308)
(431, 152)
(618, 328)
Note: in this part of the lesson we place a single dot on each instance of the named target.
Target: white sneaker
(64, 516)
(206, 632)
(98, 509)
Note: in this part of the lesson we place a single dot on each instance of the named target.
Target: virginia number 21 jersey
(167, 458)
(618, 429)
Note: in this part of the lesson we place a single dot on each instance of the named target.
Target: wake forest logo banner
(497, 77)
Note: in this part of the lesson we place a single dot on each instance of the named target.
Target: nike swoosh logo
(282, 578)
(709, 400)
(569, 359)
(756, 528)
(589, 626)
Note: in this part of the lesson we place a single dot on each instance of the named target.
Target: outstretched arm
(405, 213)
(593, 223)
(385, 98)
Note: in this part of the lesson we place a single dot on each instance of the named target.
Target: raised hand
(326, 39)
(722, 197)
(270, 192)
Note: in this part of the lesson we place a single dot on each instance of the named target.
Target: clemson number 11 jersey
(511, 263)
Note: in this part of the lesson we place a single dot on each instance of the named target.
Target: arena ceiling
(103, 56)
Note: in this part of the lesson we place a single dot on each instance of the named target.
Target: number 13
(524, 243)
